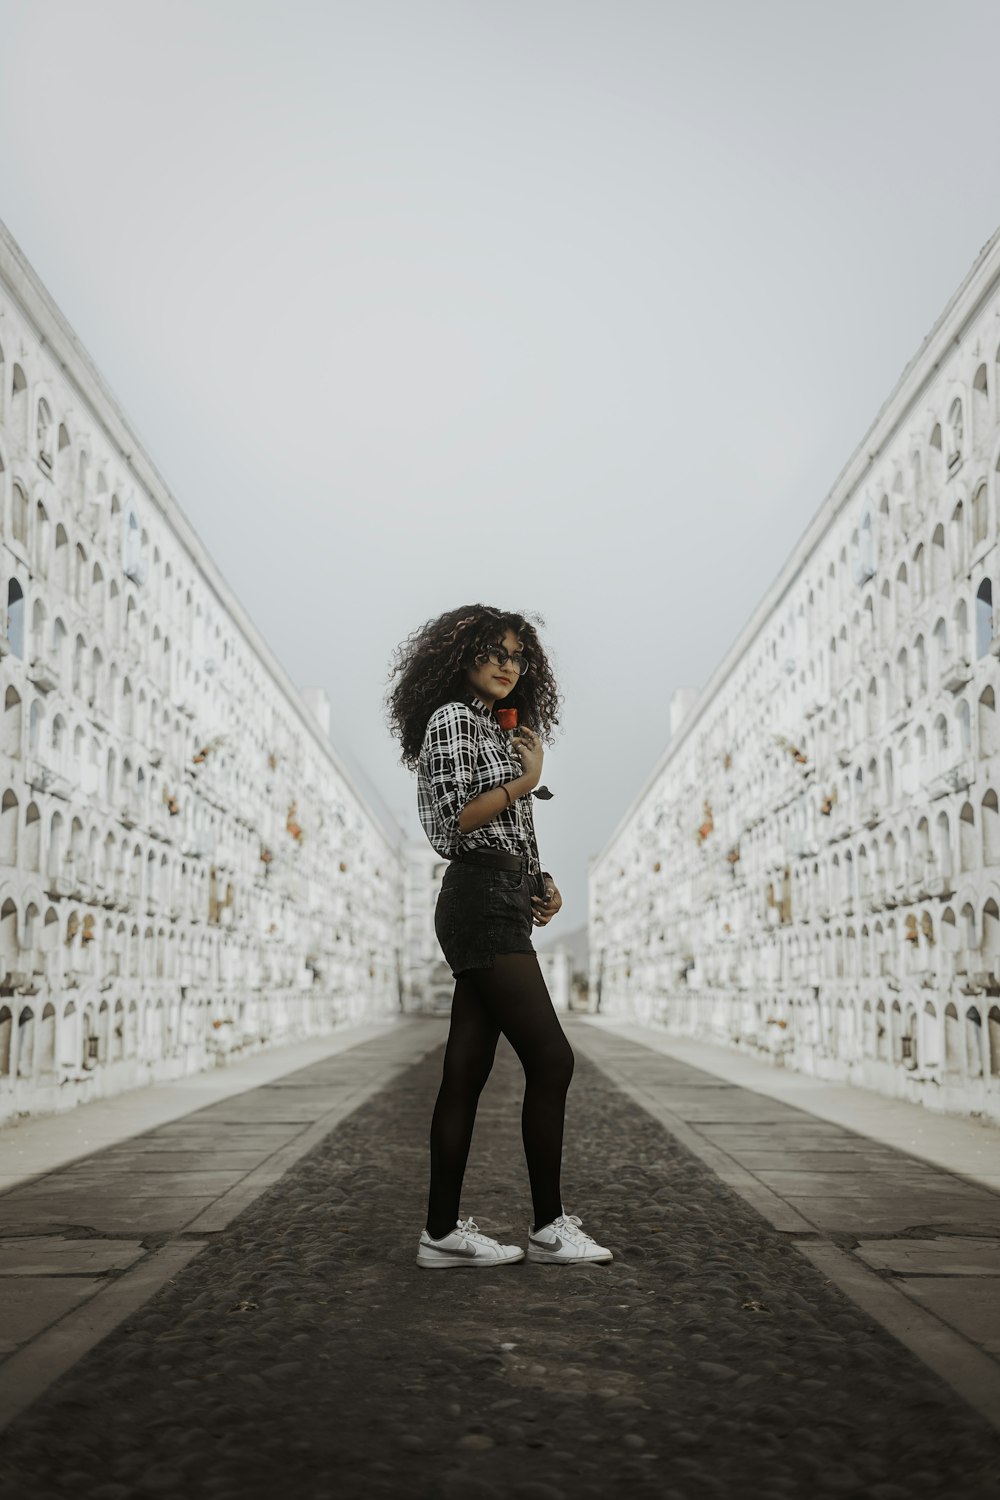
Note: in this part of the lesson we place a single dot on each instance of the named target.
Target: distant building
(812, 871)
(568, 977)
(556, 964)
(187, 870)
(428, 983)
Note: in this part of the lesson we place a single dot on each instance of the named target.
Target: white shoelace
(566, 1222)
(470, 1229)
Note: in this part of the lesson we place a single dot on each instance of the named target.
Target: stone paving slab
(121, 1162)
(891, 1186)
(114, 1215)
(873, 1216)
(727, 1110)
(832, 1158)
(303, 1352)
(55, 1255)
(30, 1303)
(283, 1107)
(761, 1134)
(205, 1133)
(978, 1318)
(77, 1184)
(952, 1255)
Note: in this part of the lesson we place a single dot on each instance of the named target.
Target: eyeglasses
(500, 657)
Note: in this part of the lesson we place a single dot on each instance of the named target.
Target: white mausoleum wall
(812, 871)
(187, 870)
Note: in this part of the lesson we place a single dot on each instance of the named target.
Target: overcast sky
(571, 306)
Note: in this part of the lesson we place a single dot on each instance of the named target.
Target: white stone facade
(813, 869)
(186, 868)
(556, 964)
(428, 983)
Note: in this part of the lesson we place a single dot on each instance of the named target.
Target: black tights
(511, 997)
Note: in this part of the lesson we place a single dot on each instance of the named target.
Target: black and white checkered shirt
(464, 753)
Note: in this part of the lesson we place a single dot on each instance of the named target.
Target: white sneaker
(563, 1242)
(465, 1246)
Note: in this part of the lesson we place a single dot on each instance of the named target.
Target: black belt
(498, 858)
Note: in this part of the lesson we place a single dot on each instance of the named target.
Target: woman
(474, 788)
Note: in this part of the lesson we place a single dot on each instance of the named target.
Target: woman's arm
(488, 804)
(450, 750)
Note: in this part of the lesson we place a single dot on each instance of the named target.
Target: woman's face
(493, 683)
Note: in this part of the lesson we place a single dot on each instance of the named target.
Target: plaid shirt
(464, 753)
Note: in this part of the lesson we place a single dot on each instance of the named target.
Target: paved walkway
(227, 1305)
(852, 1201)
(123, 1220)
(36, 1144)
(968, 1145)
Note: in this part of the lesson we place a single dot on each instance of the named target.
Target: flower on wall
(206, 749)
(793, 750)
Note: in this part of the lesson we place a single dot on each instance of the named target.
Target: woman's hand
(545, 907)
(529, 747)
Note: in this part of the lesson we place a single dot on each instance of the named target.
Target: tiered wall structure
(428, 981)
(813, 869)
(186, 868)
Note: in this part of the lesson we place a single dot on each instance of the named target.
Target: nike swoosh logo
(555, 1244)
(468, 1251)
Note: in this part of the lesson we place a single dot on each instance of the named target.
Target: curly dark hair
(432, 663)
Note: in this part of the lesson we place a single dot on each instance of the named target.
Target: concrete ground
(969, 1146)
(33, 1145)
(214, 1292)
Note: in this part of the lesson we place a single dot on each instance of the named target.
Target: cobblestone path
(304, 1354)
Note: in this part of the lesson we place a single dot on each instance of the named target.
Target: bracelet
(507, 795)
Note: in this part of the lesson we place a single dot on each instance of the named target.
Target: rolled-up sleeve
(450, 754)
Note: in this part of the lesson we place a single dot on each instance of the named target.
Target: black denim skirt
(482, 911)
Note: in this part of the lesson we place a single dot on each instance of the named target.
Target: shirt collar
(472, 698)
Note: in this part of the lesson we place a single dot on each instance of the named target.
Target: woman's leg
(515, 997)
(468, 1059)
